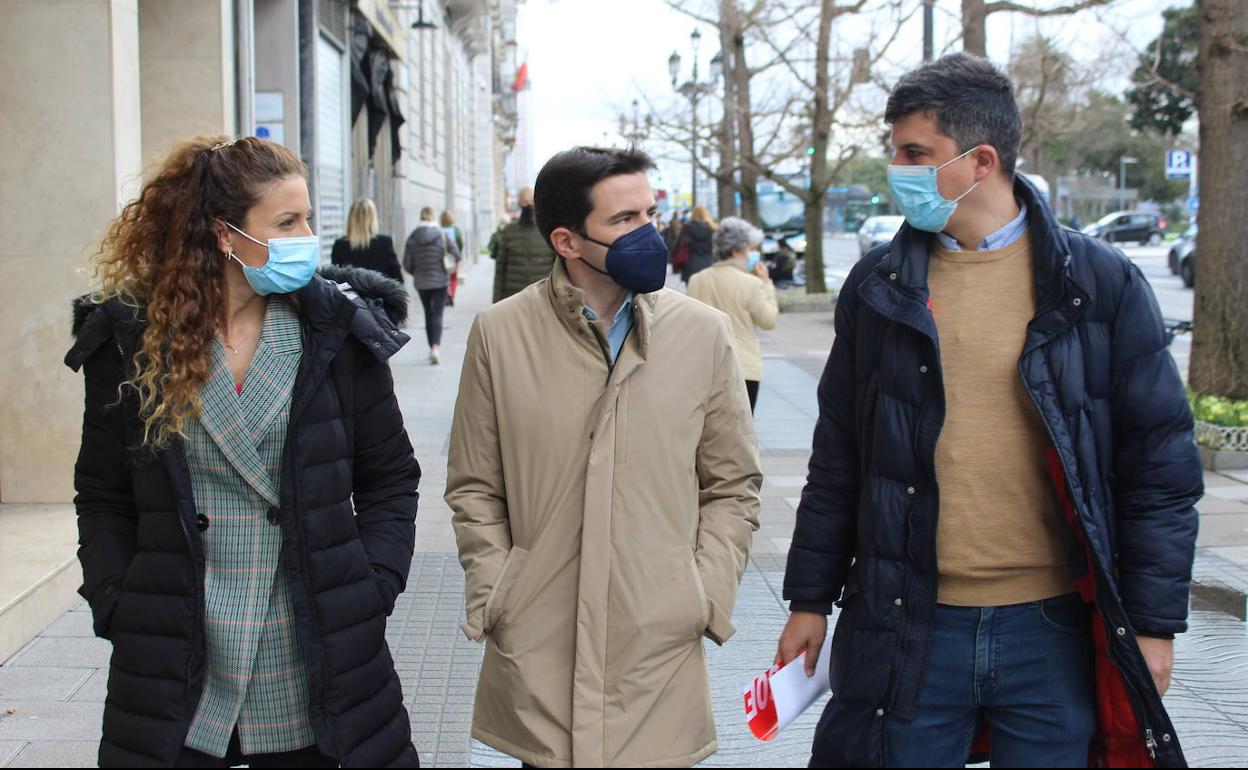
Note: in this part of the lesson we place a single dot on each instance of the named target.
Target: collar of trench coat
(568, 301)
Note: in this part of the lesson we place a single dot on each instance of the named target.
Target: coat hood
(426, 234)
(699, 231)
(381, 307)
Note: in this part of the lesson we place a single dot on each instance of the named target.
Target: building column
(70, 154)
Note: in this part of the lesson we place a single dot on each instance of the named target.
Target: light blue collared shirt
(621, 325)
(998, 240)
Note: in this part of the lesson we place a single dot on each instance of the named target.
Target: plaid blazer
(256, 678)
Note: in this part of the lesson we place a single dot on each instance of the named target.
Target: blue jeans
(1025, 669)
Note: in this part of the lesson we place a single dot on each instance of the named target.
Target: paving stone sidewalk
(52, 691)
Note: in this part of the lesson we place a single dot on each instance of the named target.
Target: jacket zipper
(1150, 743)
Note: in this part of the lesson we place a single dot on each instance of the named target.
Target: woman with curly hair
(246, 490)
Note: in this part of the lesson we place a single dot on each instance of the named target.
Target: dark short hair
(971, 100)
(561, 194)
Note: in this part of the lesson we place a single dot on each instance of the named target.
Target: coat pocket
(704, 602)
(496, 602)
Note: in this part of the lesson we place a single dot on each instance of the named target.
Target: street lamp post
(639, 131)
(1122, 180)
(694, 90)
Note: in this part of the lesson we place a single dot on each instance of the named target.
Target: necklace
(233, 349)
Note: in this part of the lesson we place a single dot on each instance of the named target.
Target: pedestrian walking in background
(695, 242)
(671, 236)
(604, 479)
(523, 257)
(492, 246)
(452, 232)
(431, 256)
(1022, 370)
(243, 579)
(363, 247)
(739, 285)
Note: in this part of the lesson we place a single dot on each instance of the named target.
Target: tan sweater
(748, 300)
(998, 539)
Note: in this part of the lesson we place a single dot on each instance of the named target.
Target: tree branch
(1061, 10)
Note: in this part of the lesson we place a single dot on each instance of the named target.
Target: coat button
(274, 516)
(879, 712)
(376, 344)
(201, 522)
(1121, 631)
(909, 490)
(892, 276)
(923, 369)
(1078, 301)
(897, 602)
(1165, 738)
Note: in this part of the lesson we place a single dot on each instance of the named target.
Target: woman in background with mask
(246, 491)
(739, 285)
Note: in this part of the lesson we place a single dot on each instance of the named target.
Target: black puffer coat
(143, 559)
(1123, 461)
(697, 237)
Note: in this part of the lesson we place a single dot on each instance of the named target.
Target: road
(841, 252)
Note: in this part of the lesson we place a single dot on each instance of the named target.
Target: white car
(877, 230)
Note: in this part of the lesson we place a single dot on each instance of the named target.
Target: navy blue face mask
(637, 261)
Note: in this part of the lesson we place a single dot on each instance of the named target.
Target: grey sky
(589, 58)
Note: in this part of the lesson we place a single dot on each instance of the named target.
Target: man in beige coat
(604, 478)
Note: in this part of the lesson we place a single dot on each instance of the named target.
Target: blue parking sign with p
(1179, 164)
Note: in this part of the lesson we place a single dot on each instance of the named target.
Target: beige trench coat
(603, 521)
(748, 300)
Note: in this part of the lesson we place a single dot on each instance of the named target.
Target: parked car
(877, 230)
(1124, 226)
(1187, 269)
(1179, 251)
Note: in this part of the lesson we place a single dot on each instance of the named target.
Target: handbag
(680, 257)
(449, 262)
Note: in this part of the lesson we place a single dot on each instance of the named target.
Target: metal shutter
(330, 145)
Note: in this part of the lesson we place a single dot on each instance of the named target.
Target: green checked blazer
(256, 678)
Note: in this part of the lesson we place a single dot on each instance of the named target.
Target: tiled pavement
(52, 691)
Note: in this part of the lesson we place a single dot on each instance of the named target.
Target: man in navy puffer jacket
(1003, 474)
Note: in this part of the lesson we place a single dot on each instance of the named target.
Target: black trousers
(751, 387)
(309, 757)
(434, 302)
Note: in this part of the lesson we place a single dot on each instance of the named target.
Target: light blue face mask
(918, 198)
(292, 263)
(752, 263)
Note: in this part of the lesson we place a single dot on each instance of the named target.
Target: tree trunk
(1219, 364)
(974, 27)
(727, 125)
(821, 125)
(745, 123)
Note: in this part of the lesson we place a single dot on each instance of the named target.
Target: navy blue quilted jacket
(1123, 461)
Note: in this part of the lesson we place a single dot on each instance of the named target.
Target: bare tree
(809, 112)
(735, 136)
(975, 15)
(1219, 364)
(821, 118)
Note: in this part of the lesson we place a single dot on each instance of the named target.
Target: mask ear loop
(954, 160)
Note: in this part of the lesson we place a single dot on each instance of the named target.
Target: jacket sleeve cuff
(103, 602)
(389, 584)
(823, 608)
(719, 630)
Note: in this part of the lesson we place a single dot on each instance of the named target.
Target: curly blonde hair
(161, 255)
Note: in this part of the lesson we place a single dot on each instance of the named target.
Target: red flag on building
(522, 78)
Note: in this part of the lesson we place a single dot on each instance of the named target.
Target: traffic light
(810, 150)
(875, 200)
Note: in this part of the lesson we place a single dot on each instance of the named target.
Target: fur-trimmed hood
(370, 305)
